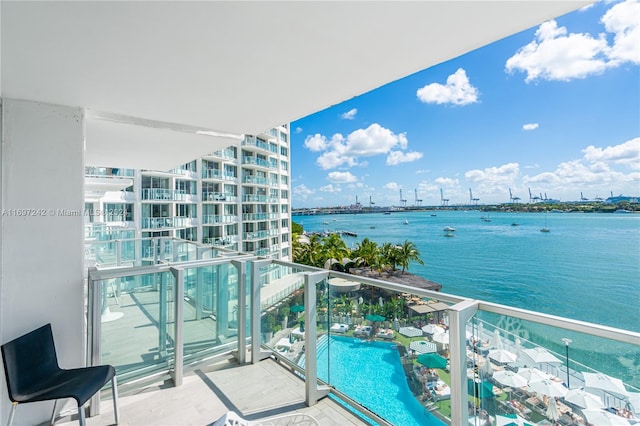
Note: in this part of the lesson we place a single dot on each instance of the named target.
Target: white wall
(42, 253)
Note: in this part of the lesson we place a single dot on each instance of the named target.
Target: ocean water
(587, 268)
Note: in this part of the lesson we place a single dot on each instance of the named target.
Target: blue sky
(555, 108)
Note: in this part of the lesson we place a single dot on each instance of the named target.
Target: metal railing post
(242, 310)
(178, 366)
(313, 392)
(257, 354)
(95, 332)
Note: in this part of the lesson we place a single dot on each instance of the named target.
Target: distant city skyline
(554, 109)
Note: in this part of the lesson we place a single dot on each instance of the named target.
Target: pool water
(372, 374)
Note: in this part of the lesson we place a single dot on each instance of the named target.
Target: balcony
(157, 194)
(481, 340)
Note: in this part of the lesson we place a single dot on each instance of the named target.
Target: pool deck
(254, 391)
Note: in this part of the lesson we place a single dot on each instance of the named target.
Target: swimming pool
(372, 374)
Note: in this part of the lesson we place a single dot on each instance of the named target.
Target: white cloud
(627, 153)
(598, 171)
(349, 115)
(331, 188)
(341, 151)
(530, 126)
(316, 143)
(503, 175)
(302, 192)
(398, 157)
(446, 181)
(555, 54)
(392, 186)
(457, 91)
(622, 20)
(341, 177)
(298, 130)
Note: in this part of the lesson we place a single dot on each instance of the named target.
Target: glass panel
(210, 309)
(138, 324)
(282, 306)
(371, 338)
(524, 368)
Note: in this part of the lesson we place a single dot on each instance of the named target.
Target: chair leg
(81, 419)
(14, 405)
(114, 390)
(53, 413)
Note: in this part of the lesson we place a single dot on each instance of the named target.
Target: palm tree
(390, 252)
(333, 247)
(407, 253)
(367, 252)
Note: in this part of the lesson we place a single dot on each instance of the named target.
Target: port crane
(582, 198)
(533, 198)
(443, 201)
(512, 198)
(418, 201)
(371, 203)
(473, 201)
(403, 201)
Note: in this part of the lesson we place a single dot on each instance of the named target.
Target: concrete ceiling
(235, 67)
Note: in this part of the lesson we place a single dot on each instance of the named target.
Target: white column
(459, 314)
(42, 251)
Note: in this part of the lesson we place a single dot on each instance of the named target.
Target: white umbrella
(533, 374)
(486, 367)
(496, 342)
(410, 331)
(552, 410)
(423, 347)
(604, 418)
(432, 329)
(509, 378)
(502, 356)
(605, 383)
(441, 338)
(583, 399)
(549, 388)
(540, 355)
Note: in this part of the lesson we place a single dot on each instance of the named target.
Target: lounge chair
(339, 328)
(298, 419)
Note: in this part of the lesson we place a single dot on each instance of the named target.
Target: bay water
(586, 268)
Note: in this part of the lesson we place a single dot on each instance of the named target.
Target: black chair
(32, 372)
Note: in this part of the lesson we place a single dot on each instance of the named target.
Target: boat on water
(545, 228)
(386, 213)
(349, 233)
(515, 224)
(449, 229)
(406, 222)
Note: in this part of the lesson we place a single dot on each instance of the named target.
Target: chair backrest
(29, 359)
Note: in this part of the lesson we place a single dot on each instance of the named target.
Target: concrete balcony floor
(254, 391)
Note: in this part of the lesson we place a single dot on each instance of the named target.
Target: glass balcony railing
(218, 196)
(255, 216)
(211, 174)
(108, 171)
(163, 194)
(432, 358)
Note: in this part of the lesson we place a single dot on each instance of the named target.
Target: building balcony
(157, 194)
(481, 340)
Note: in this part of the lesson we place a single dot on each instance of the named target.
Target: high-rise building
(237, 198)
